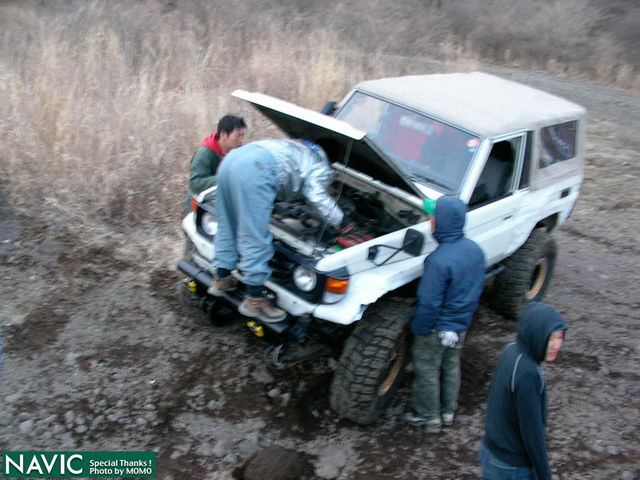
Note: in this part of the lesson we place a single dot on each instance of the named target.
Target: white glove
(448, 339)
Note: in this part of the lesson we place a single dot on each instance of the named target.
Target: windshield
(426, 150)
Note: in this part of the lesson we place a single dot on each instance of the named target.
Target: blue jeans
(495, 469)
(247, 188)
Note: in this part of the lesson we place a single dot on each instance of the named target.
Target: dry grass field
(104, 102)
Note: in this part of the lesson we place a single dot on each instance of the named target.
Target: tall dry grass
(105, 101)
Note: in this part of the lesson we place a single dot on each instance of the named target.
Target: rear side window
(557, 143)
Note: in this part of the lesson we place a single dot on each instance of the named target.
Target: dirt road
(98, 354)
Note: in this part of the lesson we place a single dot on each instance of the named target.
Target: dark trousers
(436, 381)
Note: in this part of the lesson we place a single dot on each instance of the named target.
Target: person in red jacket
(205, 161)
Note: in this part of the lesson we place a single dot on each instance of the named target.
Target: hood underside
(341, 141)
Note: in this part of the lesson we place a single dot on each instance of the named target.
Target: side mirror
(329, 108)
(413, 242)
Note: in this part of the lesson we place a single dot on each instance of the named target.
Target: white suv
(514, 154)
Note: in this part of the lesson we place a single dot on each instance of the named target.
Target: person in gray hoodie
(514, 444)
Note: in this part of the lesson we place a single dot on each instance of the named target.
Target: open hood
(338, 139)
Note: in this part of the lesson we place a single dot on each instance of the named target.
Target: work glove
(448, 339)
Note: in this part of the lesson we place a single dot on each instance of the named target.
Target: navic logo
(78, 464)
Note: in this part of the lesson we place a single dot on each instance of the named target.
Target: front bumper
(365, 287)
(204, 278)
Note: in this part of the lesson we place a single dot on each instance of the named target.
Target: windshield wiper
(416, 177)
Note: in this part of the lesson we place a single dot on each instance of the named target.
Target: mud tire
(192, 302)
(189, 249)
(526, 276)
(201, 308)
(372, 363)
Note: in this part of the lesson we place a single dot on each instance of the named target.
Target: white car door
(497, 198)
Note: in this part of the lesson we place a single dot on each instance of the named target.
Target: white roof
(479, 102)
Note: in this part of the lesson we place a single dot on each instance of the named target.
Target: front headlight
(209, 224)
(304, 279)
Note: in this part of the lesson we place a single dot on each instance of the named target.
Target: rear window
(557, 143)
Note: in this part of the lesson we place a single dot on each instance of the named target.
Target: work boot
(261, 308)
(220, 286)
(417, 420)
(431, 425)
(447, 419)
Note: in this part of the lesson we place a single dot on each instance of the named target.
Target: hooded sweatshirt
(453, 278)
(517, 405)
(212, 143)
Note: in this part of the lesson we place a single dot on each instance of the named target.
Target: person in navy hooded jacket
(448, 296)
(514, 444)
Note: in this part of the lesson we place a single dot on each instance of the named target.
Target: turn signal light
(335, 285)
(194, 204)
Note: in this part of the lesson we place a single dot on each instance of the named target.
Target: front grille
(283, 264)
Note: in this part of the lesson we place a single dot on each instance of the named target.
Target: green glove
(429, 206)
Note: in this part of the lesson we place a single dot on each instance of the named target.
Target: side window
(496, 178)
(557, 143)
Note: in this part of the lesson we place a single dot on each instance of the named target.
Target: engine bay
(373, 212)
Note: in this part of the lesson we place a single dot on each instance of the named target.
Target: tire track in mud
(605, 242)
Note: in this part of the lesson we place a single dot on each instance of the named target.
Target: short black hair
(229, 123)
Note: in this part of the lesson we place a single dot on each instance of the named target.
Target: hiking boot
(433, 426)
(416, 420)
(261, 308)
(220, 286)
(447, 419)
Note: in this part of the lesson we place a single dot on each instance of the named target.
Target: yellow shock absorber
(256, 328)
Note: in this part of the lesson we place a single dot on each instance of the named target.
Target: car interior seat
(495, 178)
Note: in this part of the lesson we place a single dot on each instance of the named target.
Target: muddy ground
(99, 355)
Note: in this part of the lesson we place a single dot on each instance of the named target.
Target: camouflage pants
(436, 375)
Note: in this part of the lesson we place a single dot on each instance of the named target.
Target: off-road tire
(189, 249)
(372, 363)
(526, 276)
(192, 302)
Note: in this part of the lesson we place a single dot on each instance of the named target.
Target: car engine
(312, 235)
